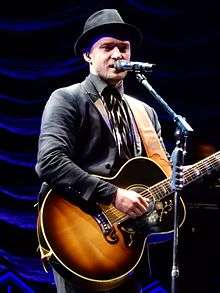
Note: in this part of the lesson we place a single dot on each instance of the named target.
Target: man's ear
(87, 57)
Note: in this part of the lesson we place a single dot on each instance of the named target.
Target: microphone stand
(181, 134)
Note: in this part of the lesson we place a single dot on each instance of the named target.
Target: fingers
(133, 215)
(131, 203)
(139, 207)
(144, 201)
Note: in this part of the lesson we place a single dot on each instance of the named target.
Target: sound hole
(144, 191)
(141, 189)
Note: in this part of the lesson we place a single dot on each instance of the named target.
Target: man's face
(104, 53)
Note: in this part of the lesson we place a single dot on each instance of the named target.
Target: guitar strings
(190, 172)
(113, 213)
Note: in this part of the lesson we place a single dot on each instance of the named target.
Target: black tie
(120, 122)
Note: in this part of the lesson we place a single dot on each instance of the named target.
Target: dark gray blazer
(76, 141)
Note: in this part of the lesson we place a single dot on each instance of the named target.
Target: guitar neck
(201, 168)
(193, 173)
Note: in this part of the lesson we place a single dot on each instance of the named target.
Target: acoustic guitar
(99, 247)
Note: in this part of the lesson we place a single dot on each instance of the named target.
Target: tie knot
(112, 97)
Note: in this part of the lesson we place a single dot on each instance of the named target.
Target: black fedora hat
(106, 21)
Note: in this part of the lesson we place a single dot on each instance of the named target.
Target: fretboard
(193, 173)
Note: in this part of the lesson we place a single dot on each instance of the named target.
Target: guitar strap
(151, 142)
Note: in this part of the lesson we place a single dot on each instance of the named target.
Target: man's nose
(116, 54)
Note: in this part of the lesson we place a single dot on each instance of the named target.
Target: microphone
(132, 66)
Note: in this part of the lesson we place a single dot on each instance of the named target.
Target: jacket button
(108, 166)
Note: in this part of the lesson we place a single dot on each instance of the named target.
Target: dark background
(36, 57)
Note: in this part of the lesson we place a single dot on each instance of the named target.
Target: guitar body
(99, 247)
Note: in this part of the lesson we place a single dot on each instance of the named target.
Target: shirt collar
(101, 85)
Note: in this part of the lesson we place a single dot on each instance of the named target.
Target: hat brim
(123, 30)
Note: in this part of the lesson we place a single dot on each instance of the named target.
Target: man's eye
(107, 48)
(123, 49)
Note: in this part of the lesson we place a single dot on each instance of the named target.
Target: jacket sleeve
(57, 149)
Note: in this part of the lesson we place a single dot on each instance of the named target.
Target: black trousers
(156, 263)
(133, 285)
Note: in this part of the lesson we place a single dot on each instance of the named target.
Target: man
(88, 128)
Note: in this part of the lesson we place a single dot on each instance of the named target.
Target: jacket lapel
(94, 96)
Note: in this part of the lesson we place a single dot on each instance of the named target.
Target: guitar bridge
(130, 233)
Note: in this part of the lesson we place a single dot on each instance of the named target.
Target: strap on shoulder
(150, 139)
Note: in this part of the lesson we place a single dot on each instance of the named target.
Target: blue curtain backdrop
(181, 37)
